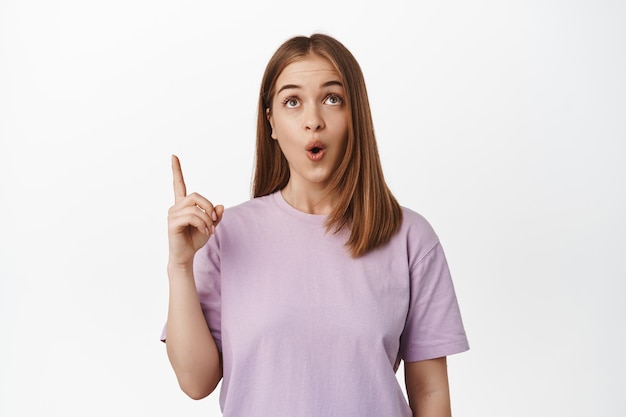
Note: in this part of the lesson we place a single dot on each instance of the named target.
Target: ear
(268, 114)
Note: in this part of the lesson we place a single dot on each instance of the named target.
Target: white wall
(501, 122)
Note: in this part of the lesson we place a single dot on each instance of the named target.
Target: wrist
(176, 268)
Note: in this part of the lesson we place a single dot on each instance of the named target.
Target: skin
(308, 106)
(190, 346)
(427, 387)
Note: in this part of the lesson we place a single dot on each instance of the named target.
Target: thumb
(219, 211)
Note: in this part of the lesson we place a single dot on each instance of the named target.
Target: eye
(333, 100)
(291, 102)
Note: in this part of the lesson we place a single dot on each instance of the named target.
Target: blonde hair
(365, 203)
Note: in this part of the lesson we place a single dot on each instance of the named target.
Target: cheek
(281, 130)
(281, 122)
(341, 124)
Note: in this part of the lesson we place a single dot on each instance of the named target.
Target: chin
(319, 181)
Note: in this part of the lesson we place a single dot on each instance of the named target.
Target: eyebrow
(295, 86)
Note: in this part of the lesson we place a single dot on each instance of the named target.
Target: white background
(502, 122)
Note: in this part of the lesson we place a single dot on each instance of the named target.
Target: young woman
(304, 299)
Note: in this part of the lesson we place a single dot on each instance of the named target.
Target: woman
(305, 299)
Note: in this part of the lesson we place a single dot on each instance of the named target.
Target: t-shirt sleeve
(433, 327)
(206, 271)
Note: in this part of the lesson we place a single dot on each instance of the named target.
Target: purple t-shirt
(307, 330)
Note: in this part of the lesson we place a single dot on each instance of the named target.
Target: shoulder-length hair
(365, 204)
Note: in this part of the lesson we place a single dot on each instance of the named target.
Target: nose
(313, 119)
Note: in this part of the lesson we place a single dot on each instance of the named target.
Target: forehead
(309, 68)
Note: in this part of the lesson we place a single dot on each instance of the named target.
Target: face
(309, 120)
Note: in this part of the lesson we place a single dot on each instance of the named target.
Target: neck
(319, 201)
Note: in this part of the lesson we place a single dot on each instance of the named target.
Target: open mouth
(315, 151)
(315, 146)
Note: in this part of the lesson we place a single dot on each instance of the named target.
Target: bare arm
(427, 387)
(190, 346)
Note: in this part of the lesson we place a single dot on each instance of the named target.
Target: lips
(315, 150)
(315, 145)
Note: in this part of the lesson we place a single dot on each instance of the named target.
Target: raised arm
(427, 387)
(190, 346)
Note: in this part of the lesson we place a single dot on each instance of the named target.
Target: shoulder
(417, 234)
(414, 223)
(250, 206)
(245, 216)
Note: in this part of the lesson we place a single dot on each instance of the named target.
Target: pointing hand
(191, 220)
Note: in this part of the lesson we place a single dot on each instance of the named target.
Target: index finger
(180, 190)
